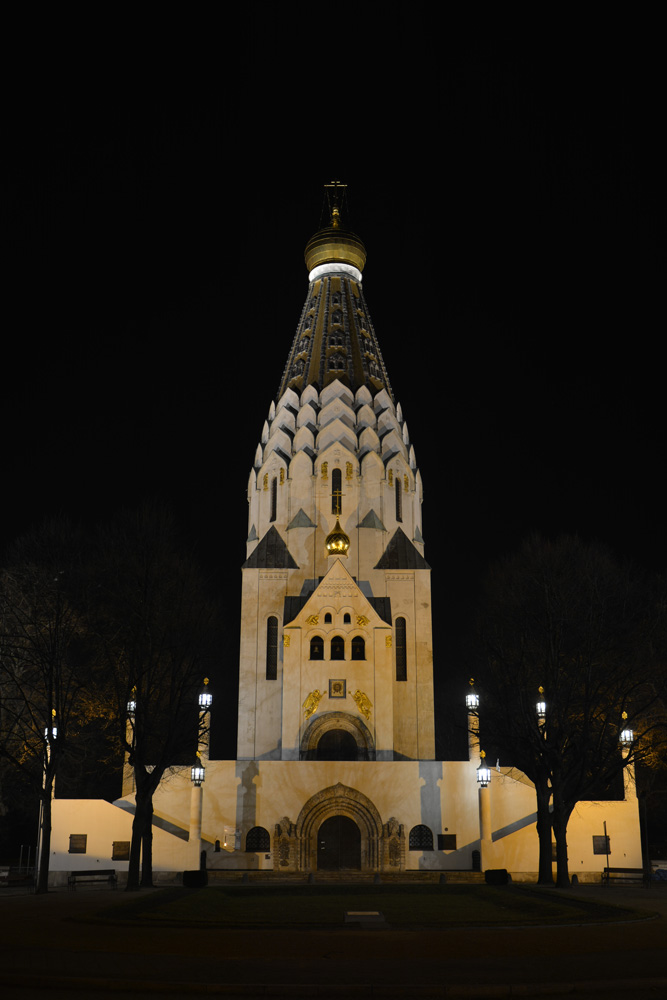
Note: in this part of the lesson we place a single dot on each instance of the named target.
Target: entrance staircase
(343, 877)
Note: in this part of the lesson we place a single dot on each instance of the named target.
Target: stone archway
(382, 845)
(339, 800)
(342, 722)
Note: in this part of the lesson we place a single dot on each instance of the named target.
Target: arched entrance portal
(338, 844)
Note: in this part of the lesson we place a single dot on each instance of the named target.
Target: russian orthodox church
(335, 764)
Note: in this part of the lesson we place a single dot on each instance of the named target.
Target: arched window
(272, 648)
(358, 648)
(258, 839)
(338, 648)
(399, 499)
(347, 618)
(327, 618)
(401, 651)
(336, 491)
(421, 838)
(317, 648)
(274, 499)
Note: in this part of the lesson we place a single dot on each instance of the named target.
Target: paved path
(51, 942)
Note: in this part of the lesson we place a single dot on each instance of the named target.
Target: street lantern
(132, 703)
(205, 698)
(197, 772)
(51, 732)
(483, 772)
(541, 706)
(627, 736)
(472, 698)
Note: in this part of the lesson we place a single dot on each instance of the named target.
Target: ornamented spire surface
(335, 339)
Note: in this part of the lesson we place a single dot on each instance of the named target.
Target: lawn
(320, 907)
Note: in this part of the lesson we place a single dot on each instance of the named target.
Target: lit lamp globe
(337, 542)
(627, 736)
(541, 706)
(197, 774)
(205, 698)
(483, 772)
(472, 698)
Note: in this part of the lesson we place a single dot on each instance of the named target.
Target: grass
(322, 907)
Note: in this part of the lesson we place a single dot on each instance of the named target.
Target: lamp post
(541, 708)
(198, 774)
(483, 775)
(130, 722)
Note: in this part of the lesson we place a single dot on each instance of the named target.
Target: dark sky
(160, 196)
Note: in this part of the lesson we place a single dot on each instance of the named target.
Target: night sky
(160, 198)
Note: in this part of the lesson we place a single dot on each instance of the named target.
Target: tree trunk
(561, 816)
(142, 815)
(545, 872)
(147, 849)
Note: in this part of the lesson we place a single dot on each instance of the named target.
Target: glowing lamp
(205, 698)
(483, 772)
(197, 774)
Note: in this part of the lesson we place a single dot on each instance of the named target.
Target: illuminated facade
(335, 761)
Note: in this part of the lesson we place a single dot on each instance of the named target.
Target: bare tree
(156, 626)
(566, 618)
(47, 693)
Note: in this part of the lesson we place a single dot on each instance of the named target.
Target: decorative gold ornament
(387, 641)
(362, 620)
(391, 477)
(266, 480)
(348, 470)
(282, 476)
(363, 703)
(406, 484)
(286, 640)
(337, 542)
(324, 468)
(313, 620)
(310, 704)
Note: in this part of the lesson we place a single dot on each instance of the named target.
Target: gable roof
(401, 554)
(271, 553)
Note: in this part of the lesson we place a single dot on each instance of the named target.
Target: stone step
(349, 877)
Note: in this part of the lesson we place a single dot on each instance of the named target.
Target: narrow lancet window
(272, 649)
(399, 499)
(401, 652)
(274, 499)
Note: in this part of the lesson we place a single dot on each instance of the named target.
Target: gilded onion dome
(335, 245)
(337, 542)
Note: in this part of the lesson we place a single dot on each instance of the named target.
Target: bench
(610, 875)
(93, 875)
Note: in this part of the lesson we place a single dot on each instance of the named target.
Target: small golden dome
(335, 245)
(337, 542)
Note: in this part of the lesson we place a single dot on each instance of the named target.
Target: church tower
(336, 642)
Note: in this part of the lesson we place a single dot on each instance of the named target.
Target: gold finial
(53, 712)
(198, 754)
(540, 689)
(206, 680)
(482, 754)
(471, 682)
(337, 542)
(335, 217)
(624, 715)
